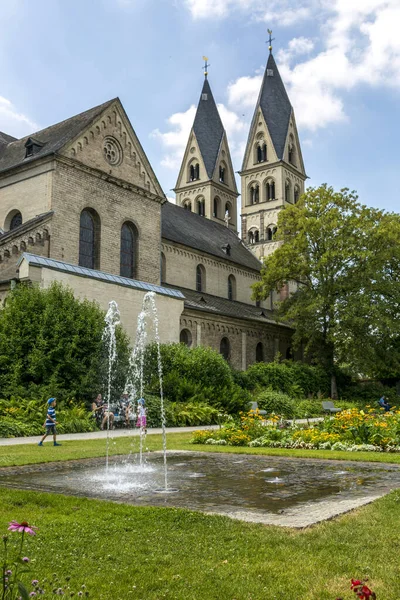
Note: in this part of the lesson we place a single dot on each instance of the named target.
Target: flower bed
(352, 430)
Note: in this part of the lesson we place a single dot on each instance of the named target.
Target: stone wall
(76, 188)
(27, 191)
(181, 263)
(243, 336)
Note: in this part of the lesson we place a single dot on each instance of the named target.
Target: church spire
(272, 173)
(206, 181)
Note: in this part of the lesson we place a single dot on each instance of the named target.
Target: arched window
(287, 191)
(259, 352)
(185, 337)
(296, 194)
(163, 268)
(194, 172)
(222, 174)
(256, 236)
(231, 287)
(264, 152)
(216, 209)
(259, 154)
(187, 205)
(89, 239)
(225, 348)
(201, 209)
(16, 220)
(251, 237)
(228, 208)
(128, 250)
(292, 151)
(254, 193)
(289, 353)
(270, 232)
(270, 190)
(200, 278)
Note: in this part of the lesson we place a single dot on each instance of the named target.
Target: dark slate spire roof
(189, 229)
(52, 138)
(275, 106)
(208, 128)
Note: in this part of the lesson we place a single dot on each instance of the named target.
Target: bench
(330, 408)
(254, 406)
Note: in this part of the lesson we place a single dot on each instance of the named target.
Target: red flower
(23, 527)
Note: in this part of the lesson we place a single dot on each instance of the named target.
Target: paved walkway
(97, 435)
(116, 433)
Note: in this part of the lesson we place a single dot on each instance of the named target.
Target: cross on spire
(206, 65)
(270, 40)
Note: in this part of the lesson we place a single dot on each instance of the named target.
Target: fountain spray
(112, 319)
(134, 386)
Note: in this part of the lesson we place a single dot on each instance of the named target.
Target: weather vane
(206, 65)
(271, 39)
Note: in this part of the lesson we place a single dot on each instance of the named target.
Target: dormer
(32, 147)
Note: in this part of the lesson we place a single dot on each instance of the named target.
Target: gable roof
(208, 128)
(275, 107)
(53, 138)
(185, 227)
(229, 308)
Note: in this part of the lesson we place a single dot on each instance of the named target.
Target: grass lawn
(32, 454)
(121, 552)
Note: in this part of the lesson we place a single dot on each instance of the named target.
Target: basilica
(80, 204)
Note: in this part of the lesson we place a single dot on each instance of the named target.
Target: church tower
(206, 182)
(273, 172)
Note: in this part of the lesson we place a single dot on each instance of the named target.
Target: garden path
(95, 435)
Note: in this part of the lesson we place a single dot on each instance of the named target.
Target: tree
(51, 343)
(344, 259)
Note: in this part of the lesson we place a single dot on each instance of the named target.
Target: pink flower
(26, 559)
(23, 527)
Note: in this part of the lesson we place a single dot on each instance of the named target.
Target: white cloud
(14, 122)
(359, 44)
(283, 11)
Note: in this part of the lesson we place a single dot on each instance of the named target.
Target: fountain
(112, 319)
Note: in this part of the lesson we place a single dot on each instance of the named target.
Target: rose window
(112, 151)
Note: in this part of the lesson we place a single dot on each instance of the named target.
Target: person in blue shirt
(50, 422)
(383, 404)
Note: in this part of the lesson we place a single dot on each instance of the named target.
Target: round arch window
(185, 337)
(259, 352)
(225, 348)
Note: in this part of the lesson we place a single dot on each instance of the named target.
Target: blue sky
(340, 60)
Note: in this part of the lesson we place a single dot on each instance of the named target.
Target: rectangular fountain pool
(280, 491)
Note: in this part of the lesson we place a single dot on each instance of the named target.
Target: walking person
(50, 422)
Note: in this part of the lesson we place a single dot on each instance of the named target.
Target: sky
(339, 60)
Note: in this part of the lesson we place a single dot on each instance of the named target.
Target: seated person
(384, 404)
(99, 408)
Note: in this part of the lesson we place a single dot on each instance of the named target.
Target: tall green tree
(344, 258)
(52, 341)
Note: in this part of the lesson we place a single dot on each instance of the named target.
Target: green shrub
(191, 414)
(296, 379)
(51, 345)
(309, 409)
(369, 392)
(276, 402)
(22, 417)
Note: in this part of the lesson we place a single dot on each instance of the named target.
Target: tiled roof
(275, 106)
(208, 128)
(229, 308)
(185, 227)
(53, 138)
(58, 265)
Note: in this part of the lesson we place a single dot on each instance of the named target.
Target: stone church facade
(81, 204)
